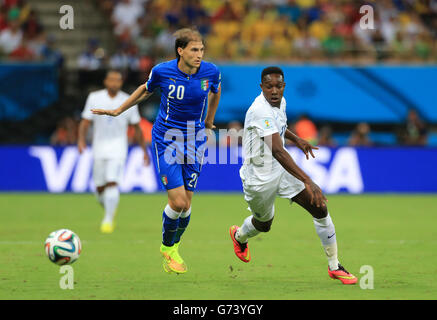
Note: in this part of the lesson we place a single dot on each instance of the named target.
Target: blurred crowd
(239, 31)
(283, 30)
(22, 36)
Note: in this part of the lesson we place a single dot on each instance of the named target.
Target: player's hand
(112, 113)
(317, 197)
(81, 146)
(306, 147)
(209, 125)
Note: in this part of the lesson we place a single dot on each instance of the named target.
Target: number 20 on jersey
(180, 90)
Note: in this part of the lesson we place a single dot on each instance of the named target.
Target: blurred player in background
(109, 143)
(190, 88)
(269, 171)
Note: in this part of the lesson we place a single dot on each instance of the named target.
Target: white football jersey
(109, 133)
(262, 120)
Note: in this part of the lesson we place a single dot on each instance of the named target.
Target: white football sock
(246, 231)
(326, 232)
(185, 214)
(173, 214)
(111, 197)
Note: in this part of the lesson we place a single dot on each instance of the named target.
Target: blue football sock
(169, 228)
(183, 224)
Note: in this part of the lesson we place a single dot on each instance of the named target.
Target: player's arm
(274, 142)
(83, 129)
(140, 94)
(141, 142)
(144, 96)
(302, 144)
(213, 101)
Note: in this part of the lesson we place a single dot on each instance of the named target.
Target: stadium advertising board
(345, 169)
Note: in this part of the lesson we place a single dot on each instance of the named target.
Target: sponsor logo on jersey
(267, 124)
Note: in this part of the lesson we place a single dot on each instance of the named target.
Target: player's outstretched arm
(140, 94)
(302, 144)
(213, 101)
(274, 142)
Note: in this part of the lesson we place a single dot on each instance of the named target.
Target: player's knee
(187, 205)
(179, 204)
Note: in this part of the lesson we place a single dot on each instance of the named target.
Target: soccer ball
(63, 247)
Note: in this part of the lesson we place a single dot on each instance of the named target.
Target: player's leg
(293, 189)
(100, 168)
(326, 231)
(240, 236)
(111, 193)
(184, 218)
(176, 215)
(251, 227)
(177, 204)
(172, 180)
(170, 173)
(111, 199)
(323, 224)
(261, 204)
(190, 175)
(99, 179)
(178, 227)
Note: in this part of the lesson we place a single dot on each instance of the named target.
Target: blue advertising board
(346, 169)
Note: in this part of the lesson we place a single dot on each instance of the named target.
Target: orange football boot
(343, 275)
(241, 249)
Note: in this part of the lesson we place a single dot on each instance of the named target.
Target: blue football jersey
(184, 97)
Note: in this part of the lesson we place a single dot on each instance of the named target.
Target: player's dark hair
(183, 37)
(271, 70)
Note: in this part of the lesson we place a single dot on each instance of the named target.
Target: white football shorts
(261, 198)
(107, 170)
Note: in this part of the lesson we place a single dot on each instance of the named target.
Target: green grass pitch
(394, 234)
